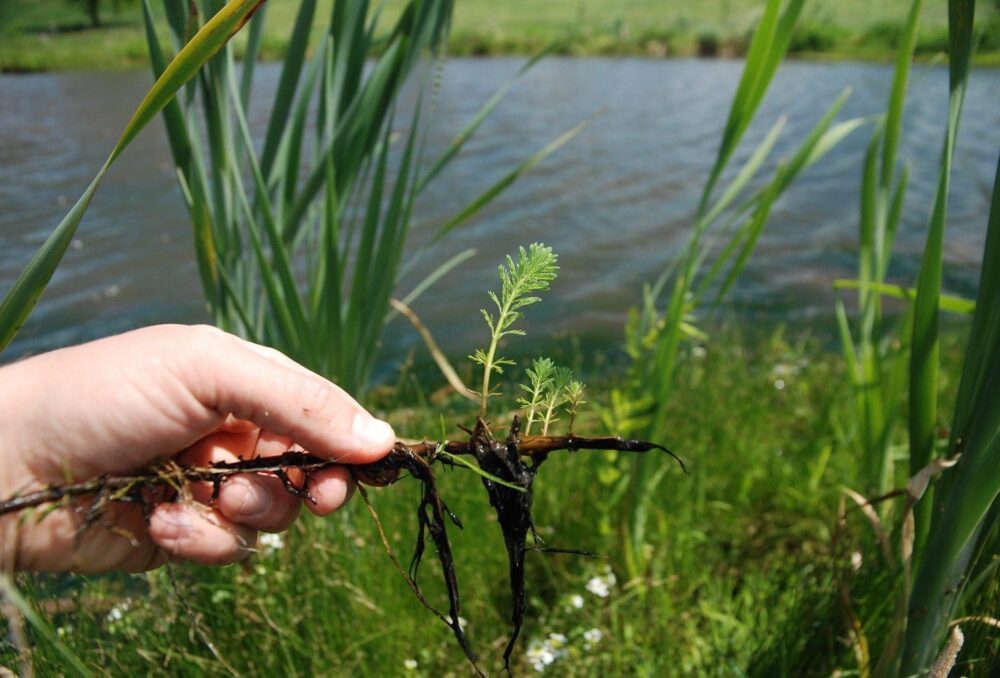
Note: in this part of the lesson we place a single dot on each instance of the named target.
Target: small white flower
(539, 655)
(599, 587)
(556, 640)
(410, 664)
(593, 636)
(271, 542)
(779, 384)
(117, 613)
(576, 601)
(857, 560)
(698, 352)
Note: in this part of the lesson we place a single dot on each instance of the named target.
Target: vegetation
(750, 559)
(47, 34)
(797, 547)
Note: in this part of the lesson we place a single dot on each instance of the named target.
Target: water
(615, 203)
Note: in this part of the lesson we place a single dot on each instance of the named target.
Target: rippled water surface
(615, 203)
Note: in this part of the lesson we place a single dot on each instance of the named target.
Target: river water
(615, 203)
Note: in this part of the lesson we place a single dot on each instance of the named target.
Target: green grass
(54, 35)
(745, 572)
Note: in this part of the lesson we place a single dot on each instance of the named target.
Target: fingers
(200, 534)
(331, 488)
(257, 501)
(262, 386)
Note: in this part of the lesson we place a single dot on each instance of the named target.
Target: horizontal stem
(404, 456)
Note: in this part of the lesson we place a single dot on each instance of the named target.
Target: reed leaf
(946, 302)
(976, 482)
(951, 534)
(301, 245)
(924, 358)
(653, 335)
(28, 287)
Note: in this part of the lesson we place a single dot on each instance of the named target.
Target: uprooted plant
(506, 464)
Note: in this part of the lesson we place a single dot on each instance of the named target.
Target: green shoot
(556, 396)
(534, 269)
(574, 398)
(455, 459)
(540, 375)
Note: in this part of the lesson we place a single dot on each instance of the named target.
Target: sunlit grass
(739, 546)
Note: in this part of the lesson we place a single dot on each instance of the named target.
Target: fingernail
(372, 432)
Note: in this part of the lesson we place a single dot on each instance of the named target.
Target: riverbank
(45, 35)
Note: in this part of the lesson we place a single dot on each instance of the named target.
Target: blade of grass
(924, 359)
(950, 535)
(28, 287)
(41, 626)
(487, 196)
(947, 302)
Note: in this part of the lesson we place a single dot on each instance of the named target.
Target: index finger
(233, 378)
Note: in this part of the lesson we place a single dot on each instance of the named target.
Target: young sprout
(574, 398)
(540, 375)
(555, 396)
(534, 269)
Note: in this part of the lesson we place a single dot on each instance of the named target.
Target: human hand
(194, 394)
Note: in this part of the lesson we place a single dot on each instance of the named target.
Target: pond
(615, 203)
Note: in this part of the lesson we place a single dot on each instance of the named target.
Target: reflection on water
(615, 203)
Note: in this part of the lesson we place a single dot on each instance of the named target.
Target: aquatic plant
(507, 466)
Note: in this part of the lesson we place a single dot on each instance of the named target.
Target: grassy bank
(56, 35)
(750, 574)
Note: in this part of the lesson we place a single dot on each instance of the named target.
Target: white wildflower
(271, 542)
(576, 601)
(593, 636)
(599, 586)
(410, 664)
(698, 352)
(540, 655)
(779, 384)
(117, 613)
(556, 640)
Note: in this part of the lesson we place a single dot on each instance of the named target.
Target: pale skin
(193, 394)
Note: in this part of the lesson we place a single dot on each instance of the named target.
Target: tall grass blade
(487, 196)
(967, 499)
(28, 288)
(946, 302)
(476, 122)
(767, 49)
(924, 358)
(291, 71)
(41, 626)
